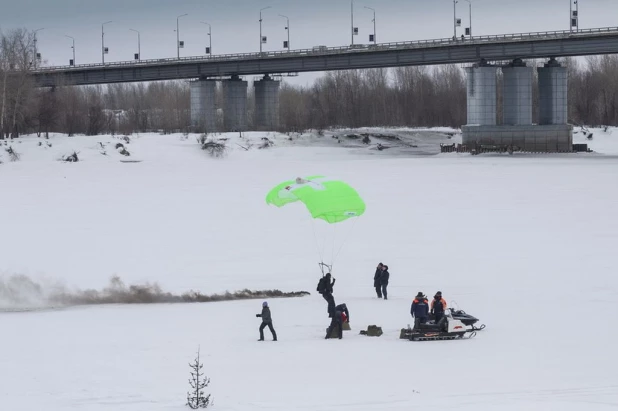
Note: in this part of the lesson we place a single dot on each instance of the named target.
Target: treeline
(436, 96)
(403, 96)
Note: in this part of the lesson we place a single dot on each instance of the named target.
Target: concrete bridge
(480, 51)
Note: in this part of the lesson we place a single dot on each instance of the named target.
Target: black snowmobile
(448, 328)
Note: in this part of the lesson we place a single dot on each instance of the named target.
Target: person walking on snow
(376, 280)
(384, 280)
(438, 306)
(267, 321)
(419, 310)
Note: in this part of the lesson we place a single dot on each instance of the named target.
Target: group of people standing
(420, 310)
(380, 280)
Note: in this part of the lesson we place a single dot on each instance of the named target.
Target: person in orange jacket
(438, 306)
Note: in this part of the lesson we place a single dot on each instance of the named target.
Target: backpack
(321, 285)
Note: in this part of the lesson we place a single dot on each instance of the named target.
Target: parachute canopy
(330, 200)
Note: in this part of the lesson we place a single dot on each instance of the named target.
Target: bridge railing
(323, 50)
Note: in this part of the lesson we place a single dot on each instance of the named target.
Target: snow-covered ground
(527, 243)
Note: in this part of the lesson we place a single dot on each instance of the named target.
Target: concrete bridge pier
(553, 103)
(481, 95)
(203, 112)
(267, 104)
(517, 94)
(552, 134)
(235, 104)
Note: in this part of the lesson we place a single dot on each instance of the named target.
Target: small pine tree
(195, 397)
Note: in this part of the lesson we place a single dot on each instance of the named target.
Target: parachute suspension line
(320, 250)
(329, 267)
(315, 237)
(346, 238)
(332, 252)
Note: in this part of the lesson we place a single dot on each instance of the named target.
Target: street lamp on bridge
(178, 35)
(262, 39)
(374, 25)
(35, 57)
(286, 44)
(354, 29)
(574, 16)
(470, 9)
(455, 19)
(139, 51)
(73, 47)
(209, 48)
(103, 49)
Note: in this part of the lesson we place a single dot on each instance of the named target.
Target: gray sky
(235, 26)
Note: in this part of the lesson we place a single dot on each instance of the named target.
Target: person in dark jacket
(384, 280)
(331, 307)
(376, 280)
(326, 290)
(267, 321)
(419, 309)
(328, 286)
(344, 310)
(437, 307)
(337, 321)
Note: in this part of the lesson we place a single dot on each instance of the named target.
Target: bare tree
(47, 113)
(196, 398)
(16, 58)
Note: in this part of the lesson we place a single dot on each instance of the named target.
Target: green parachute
(330, 200)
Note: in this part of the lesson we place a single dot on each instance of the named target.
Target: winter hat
(419, 295)
(264, 304)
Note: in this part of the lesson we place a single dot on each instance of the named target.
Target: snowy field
(527, 243)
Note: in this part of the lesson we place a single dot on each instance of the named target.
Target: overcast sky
(235, 27)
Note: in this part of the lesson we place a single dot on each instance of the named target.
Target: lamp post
(261, 26)
(178, 35)
(571, 16)
(103, 42)
(470, 9)
(455, 19)
(287, 27)
(576, 15)
(374, 24)
(209, 37)
(352, 19)
(73, 47)
(139, 51)
(34, 57)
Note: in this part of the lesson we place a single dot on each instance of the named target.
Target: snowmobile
(467, 319)
(448, 328)
(464, 317)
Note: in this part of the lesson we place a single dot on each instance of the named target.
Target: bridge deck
(425, 52)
